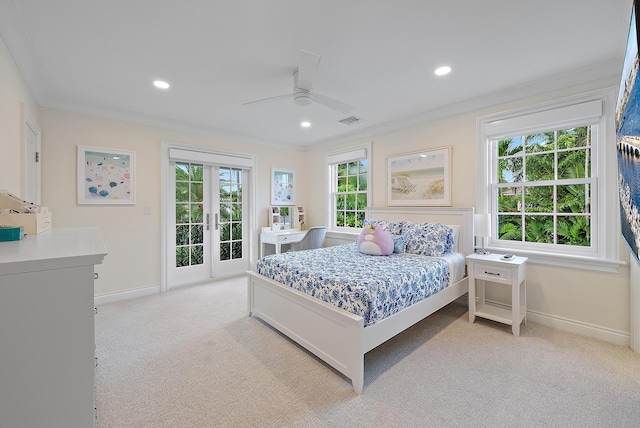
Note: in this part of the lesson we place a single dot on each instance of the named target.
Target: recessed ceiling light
(160, 84)
(305, 124)
(441, 71)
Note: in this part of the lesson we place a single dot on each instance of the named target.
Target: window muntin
(230, 218)
(544, 187)
(349, 185)
(350, 197)
(189, 214)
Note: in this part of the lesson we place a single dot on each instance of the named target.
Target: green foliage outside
(190, 214)
(351, 196)
(535, 204)
(230, 213)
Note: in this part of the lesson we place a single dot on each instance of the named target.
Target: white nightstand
(493, 268)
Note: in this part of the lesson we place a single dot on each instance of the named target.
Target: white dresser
(47, 337)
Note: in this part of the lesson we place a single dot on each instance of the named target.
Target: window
(547, 174)
(544, 187)
(189, 214)
(349, 173)
(231, 218)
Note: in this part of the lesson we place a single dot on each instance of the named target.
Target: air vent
(350, 120)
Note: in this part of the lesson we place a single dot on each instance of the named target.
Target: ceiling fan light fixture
(302, 98)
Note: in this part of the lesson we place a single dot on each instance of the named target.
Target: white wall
(14, 96)
(132, 238)
(594, 304)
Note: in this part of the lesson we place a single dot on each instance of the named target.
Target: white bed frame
(338, 337)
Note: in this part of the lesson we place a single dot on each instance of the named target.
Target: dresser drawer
(492, 273)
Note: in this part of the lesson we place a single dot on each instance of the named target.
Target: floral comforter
(373, 287)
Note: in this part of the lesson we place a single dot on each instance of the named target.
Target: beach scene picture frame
(420, 178)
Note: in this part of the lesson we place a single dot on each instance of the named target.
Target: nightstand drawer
(492, 273)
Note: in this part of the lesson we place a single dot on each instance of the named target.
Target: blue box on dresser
(11, 233)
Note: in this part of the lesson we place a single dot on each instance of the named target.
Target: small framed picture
(283, 187)
(106, 176)
(420, 178)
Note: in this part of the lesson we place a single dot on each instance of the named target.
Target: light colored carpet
(192, 358)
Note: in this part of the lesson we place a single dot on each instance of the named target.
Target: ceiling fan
(303, 95)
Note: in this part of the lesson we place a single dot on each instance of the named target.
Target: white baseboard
(610, 335)
(101, 299)
(580, 328)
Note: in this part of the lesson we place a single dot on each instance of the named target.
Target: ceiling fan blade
(307, 67)
(332, 103)
(277, 97)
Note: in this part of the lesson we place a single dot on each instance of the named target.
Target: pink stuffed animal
(375, 241)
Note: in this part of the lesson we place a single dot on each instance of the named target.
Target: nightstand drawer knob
(492, 273)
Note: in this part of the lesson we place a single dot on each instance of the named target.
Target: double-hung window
(350, 190)
(547, 177)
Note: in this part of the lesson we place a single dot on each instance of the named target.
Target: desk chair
(314, 238)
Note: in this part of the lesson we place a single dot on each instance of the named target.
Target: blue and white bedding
(373, 287)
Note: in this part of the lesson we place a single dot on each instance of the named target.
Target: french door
(207, 221)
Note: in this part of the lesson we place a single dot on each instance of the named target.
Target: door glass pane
(230, 213)
(189, 214)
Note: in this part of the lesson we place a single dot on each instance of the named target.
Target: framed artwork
(628, 138)
(283, 187)
(420, 178)
(106, 176)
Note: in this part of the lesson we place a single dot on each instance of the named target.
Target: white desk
(280, 237)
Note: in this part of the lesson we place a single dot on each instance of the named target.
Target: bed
(336, 335)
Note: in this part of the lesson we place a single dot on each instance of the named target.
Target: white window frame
(595, 108)
(355, 153)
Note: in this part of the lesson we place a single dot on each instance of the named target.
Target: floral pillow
(428, 239)
(399, 244)
(393, 227)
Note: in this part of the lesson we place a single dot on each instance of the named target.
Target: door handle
(207, 221)
(217, 224)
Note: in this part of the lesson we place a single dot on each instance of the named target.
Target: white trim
(348, 155)
(364, 150)
(610, 335)
(101, 299)
(603, 258)
(214, 154)
(209, 157)
(29, 122)
(544, 118)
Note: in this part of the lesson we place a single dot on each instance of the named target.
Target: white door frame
(166, 174)
(32, 159)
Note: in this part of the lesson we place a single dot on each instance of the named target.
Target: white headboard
(463, 217)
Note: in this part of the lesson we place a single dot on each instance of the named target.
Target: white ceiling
(100, 57)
